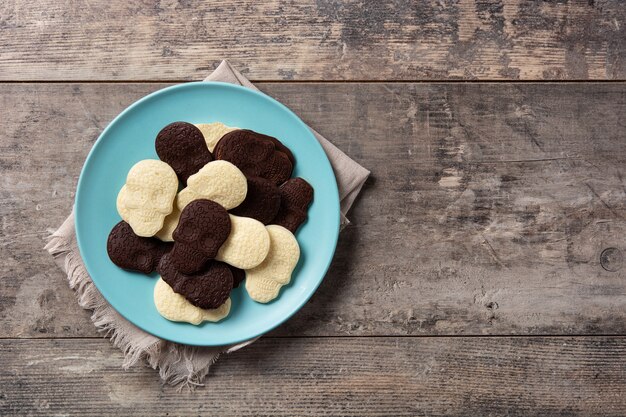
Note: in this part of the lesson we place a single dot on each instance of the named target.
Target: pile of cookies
(233, 220)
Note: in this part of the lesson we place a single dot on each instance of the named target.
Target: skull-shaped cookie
(148, 196)
(256, 155)
(169, 224)
(296, 195)
(263, 283)
(238, 275)
(262, 200)
(207, 288)
(279, 145)
(129, 251)
(175, 307)
(213, 132)
(247, 245)
(202, 229)
(219, 181)
(182, 146)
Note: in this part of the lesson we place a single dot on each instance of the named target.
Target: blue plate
(130, 138)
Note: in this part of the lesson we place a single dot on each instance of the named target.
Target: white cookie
(169, 224)
(213, 132)
(219, 181)
(264, 282)
(175, 307)
(247, 245)
(148, 196)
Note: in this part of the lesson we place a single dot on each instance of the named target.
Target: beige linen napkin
(177, 364)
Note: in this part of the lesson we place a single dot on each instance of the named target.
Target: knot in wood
(611, 259)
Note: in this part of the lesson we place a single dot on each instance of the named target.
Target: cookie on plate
(263, 283)
(208, 288)
(203, 227)
(256, 155)
(262, 200)
(219, 181)
(169, 224)
(182, 146)
(175, 307)
(147, 196)
(238, 275)
(296, 195)
(247, 245)
(213, 132)
(132, 252)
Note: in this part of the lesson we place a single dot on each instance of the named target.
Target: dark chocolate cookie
(279, 145)
(182, 146)
(203, 227)
(238, 275)
(262, 200)
(296, 194)
(256, 155)
(129, 251)
(208, 288)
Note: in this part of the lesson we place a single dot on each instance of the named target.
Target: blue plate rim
(333, 189)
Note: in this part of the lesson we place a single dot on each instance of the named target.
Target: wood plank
(313, 40)
(322, 376)
(487, 213)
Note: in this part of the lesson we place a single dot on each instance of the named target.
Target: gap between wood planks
(442, 81)
(378, 336)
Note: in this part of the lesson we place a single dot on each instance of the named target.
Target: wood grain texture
(313, 40)
(487, 212)
(336, 376)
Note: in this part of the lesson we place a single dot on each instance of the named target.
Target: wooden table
(485, 269)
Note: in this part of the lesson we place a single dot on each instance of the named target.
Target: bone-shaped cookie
(175, 307)
(213, 132)
(219, 181)
(247, 245)
(147, 196)
(263, 283)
